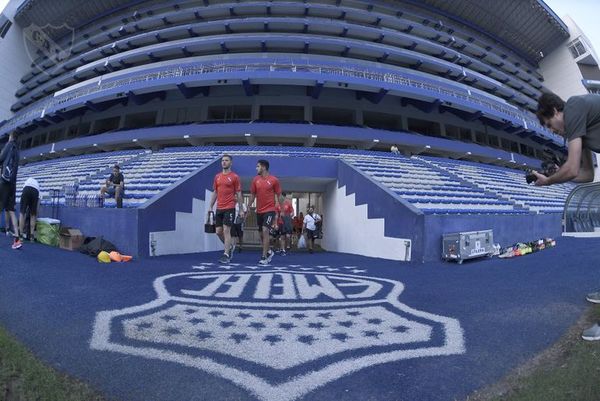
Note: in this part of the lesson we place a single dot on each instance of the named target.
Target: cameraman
(578, 121)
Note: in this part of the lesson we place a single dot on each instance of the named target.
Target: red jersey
(226, 185)
(265, 190)
(288, 208)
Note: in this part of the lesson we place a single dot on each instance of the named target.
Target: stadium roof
(527, 27)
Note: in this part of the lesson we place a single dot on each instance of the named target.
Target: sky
(583, 12)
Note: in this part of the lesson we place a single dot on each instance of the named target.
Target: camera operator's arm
(572, 169)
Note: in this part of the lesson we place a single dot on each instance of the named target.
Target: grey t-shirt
(582, 120)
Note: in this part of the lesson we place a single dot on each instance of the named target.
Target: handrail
(582, 208)
(38, 110)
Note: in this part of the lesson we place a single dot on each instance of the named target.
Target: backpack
(10, 164)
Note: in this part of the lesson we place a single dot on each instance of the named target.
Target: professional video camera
(550, 165)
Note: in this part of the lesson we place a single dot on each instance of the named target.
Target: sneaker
(224, 259)
(270, 256)
(282, 253)
(592, 334)
(263, 261)
(593, 297)
(17, 244)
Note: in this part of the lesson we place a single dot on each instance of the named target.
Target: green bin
(48, 231)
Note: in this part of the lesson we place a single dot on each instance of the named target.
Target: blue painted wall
(119, 226)
(508, 229)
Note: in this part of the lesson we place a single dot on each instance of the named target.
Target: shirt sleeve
(575, 115)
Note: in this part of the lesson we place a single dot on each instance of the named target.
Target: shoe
(17, 244)
(593, 297)
(224, 259)
(270, 256)
(263, 262)
(592, 334)
(310, 251)
(282, 253)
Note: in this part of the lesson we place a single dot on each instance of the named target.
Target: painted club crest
(277, 334)
(41, 47)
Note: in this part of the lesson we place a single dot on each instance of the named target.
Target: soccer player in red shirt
(287, 211)
(227, 189)
(265, 188)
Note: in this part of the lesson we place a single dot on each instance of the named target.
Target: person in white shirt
(310, 227)
(30, 197)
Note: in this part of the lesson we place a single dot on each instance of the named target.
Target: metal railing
(39, 109)
(582, 209)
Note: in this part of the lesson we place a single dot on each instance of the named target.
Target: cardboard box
(70, 238)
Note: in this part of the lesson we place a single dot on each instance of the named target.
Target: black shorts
(29, 200)
(8, 192)
(287, 225)
(310, 234)
(237, 231)
(265, 219)
(224, 217)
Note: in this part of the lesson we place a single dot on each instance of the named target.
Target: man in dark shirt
(115, 186)
(578, 121)
(9, 166)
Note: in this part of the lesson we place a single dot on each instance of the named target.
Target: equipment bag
(94, 245)
(210, 227)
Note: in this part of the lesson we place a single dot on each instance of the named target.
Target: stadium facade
(339, 79)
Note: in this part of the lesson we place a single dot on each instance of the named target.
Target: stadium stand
(450, 186)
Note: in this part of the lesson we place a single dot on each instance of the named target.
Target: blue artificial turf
(508, 310)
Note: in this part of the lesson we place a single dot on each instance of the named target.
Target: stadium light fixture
(134, 140)
(314, 136)
(376, 140)
(186, 137)
(427, 147)
(247, 134)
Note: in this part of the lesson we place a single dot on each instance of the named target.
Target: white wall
(560, 70)
(347, 229)
(188, 236)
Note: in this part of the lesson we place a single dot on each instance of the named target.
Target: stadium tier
(450, 186)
